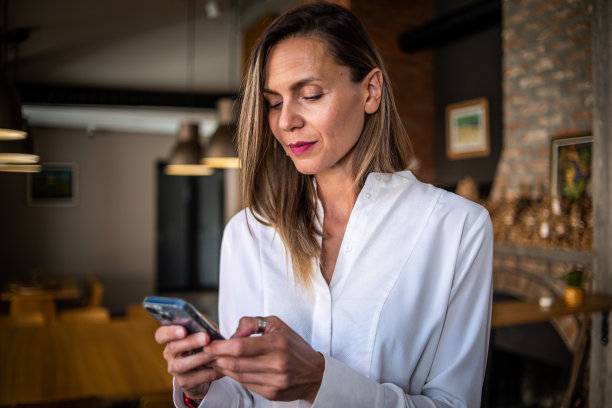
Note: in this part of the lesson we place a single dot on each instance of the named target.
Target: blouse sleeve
(458, 367)
(240, 294)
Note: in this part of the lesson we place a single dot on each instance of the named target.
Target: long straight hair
(272, 189)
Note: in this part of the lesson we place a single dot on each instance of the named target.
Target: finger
(166, 334)
(184, 346)
(185, 363)
(241, 347)
(250, 325)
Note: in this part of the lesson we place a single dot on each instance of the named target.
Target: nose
(289, 118)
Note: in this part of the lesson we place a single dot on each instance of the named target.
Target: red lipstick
(298, 148)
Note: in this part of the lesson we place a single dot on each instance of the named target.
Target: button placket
(322, 315)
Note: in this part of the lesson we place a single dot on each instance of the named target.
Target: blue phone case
(177, 311)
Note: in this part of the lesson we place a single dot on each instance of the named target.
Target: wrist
(317, 385)
(191, 402)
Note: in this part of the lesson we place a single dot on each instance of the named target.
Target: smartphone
(177, 311)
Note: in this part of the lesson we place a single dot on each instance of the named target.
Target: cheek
(271, 122)
(275, 131)
(273, 127)
(345, 125)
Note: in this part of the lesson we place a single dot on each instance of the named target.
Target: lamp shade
(11, 121)
(220, 152)
(18, 151)
(186, 154)
(20, 168)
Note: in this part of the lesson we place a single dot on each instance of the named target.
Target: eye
(313, 97)
(273, 102)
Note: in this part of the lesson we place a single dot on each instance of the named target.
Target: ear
(373, 83)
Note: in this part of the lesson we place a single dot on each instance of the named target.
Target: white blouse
(405, 319)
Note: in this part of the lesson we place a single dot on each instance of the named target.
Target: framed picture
(571, 162)
(55, 185)
(467, 129)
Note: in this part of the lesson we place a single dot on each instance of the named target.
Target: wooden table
(117, 360)
(508, 313)
(64, 288)
(27, 297)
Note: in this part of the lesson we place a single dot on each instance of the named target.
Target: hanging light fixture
(18, 151)
(20, 168)
(11, 121)
(220, 152)
(184, 160)
(186, 154)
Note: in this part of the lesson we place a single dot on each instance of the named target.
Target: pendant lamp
(185, 156)
(220, 152)
(18, 151)
(20, 168)
(11, 121)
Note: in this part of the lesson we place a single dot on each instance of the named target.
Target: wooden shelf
(555, 254)
(508, 313)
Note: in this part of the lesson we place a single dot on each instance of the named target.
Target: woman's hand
(279, 365)
(191, 370)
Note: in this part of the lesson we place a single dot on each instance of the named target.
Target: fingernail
(201, 338)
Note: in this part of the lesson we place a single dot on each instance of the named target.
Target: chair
(95, 291)
(24, 319)
(84, 315)
(28, 304)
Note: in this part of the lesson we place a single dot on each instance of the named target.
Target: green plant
(576, 277)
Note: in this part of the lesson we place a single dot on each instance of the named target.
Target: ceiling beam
(449, 27)
(70, 95)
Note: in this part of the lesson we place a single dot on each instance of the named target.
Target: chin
(304, 169)
(306, 172)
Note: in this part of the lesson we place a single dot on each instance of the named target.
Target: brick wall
(547, 86)
(411, 74)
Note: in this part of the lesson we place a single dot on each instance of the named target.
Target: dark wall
(189, 229)
(468, 67)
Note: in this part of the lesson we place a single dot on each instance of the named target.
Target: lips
(298, 148)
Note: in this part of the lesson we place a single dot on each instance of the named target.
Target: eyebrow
(296, 85)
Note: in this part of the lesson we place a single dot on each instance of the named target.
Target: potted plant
(574, 287)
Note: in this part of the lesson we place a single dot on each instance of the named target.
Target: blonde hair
(272, 189)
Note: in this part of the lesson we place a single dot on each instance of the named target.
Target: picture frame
(55, 185)
(571, 167)
(467, 129)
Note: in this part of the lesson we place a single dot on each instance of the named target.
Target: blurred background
(113, 92)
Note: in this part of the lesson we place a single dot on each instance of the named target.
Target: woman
(376, 287)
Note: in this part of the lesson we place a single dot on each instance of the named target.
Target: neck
(337, 193)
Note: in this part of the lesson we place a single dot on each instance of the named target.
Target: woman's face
(315, 111)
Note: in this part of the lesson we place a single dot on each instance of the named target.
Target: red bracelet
(189, 402)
